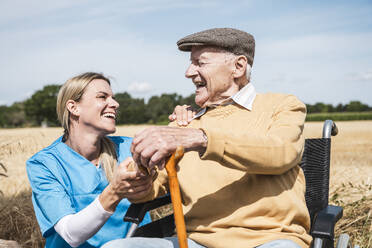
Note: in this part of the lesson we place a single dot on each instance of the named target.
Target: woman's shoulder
(45, 163)
(47, 152)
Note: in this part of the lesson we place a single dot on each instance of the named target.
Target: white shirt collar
(244, 97)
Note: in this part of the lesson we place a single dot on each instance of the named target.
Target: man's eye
(102, 96)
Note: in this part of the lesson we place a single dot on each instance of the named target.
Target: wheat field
(351, 168)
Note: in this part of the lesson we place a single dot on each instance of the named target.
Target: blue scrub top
(64, 182)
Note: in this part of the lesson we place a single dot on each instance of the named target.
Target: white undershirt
(77, 228)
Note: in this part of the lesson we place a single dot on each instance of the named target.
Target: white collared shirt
(244, 97)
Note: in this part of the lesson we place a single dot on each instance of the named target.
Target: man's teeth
(109, 115)
(199, 84)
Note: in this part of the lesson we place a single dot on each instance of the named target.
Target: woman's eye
(103, 97)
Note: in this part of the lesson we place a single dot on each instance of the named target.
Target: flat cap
(232, 40)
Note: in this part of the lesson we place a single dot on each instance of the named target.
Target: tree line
(41, 108)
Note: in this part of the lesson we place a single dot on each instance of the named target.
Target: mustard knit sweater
(247, 188)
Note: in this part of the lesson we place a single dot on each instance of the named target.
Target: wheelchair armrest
(324, 222)
(136, 211)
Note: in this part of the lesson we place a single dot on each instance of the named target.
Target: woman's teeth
(109, 115)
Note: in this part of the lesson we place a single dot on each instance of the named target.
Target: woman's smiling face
(97, 108)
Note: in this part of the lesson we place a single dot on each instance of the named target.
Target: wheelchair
(316, 167)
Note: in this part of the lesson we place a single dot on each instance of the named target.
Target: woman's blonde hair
(73, 89)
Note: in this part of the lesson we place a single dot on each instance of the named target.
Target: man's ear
(72, 107)
(240, 66)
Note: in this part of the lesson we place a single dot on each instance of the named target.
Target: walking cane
(174, 188)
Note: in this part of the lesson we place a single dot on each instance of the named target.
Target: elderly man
(240, 181)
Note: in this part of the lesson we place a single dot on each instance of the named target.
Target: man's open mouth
(200, 84)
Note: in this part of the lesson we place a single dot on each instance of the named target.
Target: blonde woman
(80, 182)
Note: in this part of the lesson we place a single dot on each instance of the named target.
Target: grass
(18, 220)
(350, 185)
(3, 172)
(342, 116)
(357, 221)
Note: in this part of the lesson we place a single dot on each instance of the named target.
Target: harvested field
(351, 178)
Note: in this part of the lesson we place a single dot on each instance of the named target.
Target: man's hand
(182, 114)
(154, 145)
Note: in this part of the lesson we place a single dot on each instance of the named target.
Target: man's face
(211, 70)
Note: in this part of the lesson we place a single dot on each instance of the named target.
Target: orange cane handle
(176, 196)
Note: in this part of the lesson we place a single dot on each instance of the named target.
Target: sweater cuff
(215, 147)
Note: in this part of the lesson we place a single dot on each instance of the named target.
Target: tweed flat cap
(232, 40)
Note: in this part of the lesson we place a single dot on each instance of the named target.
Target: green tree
(319, 107)
(159, 108)
(16, 114)
(3, 116)
(42, 105)
(131, 110)
(340, 108)
(12, 116)
(189, 100)
(356, 106)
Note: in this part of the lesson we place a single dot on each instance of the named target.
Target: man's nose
(191, 71)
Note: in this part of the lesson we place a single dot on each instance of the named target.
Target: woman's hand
(125, 184)
(182, 114)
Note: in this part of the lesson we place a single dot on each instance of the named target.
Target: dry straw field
(351, 178)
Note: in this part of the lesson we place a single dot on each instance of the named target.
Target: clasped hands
(150, 149)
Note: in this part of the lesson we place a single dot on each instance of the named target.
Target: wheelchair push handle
(329, 129)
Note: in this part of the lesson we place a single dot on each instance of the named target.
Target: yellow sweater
(247, 188)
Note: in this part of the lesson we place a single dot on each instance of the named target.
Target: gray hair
(231, 55)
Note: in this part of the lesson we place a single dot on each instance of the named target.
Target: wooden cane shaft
(176, 198)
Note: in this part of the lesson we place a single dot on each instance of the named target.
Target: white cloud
(297, 51)
(137, 87)
(315, 47)
(15, 10)
(361, 76)
(126, 59)
(279, 77)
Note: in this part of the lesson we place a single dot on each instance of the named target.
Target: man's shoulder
(276, 98)
(274, 102)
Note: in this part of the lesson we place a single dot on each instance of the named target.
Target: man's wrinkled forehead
(205, 52)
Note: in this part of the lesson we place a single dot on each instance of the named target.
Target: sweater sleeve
(273, 152)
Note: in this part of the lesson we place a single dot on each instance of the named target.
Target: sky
(320, 51)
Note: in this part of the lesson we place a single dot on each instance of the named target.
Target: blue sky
(321, 51)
